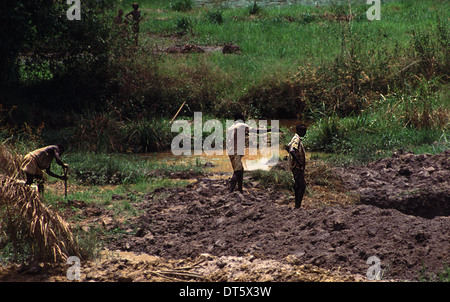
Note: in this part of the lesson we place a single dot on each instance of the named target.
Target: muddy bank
(204, 218)
(129, 267)
(413, 184)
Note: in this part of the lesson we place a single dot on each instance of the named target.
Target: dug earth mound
(413, 184)
(204, 218)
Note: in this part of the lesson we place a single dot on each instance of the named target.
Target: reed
(26, 222)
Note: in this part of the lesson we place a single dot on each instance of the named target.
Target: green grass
(119, 169)
(417, 123)
(442, 276)
(282, 180)
(278, 42)
(102, 194)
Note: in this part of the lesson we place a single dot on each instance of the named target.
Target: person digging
(236, 148)
(297, 161)
(41, 159)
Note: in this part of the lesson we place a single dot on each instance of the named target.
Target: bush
(181, 5)
(254, 9)
(184, 24)
(215, 17)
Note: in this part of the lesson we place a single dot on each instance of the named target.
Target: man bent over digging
(297, 162)
(236, 148)
(41, 159)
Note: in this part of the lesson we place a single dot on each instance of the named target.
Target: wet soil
(204, 218)
(413, 184)
(203, 233)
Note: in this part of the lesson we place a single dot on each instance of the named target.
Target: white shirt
(236, 137)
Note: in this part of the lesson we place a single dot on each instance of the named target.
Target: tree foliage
(48, 58)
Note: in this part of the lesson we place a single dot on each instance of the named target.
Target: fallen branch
(166, 273)
(182, 271)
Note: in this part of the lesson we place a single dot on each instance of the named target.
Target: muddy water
(218, 163)
(253, 160)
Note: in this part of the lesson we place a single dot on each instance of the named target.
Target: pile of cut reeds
(10, 161)
(27, 221)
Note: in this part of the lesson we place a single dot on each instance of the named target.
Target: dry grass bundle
(318, 173)
(10, 161)
(26, 220)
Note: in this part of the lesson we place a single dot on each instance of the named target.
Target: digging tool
(66, 171)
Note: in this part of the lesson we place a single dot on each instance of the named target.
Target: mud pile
(203, 218)
(413, 184)
(127, 267)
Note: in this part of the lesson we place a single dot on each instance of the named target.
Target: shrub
(215, 17)
(181, 5)
(184, 24)
(254, 9)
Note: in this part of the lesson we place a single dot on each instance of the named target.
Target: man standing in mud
(41, 159)
(236, 148)
(297, 162)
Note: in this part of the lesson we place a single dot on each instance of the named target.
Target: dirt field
(238, 225)
(201, 232)
(413, 184)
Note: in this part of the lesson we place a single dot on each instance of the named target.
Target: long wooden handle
(66, 171)
(176, 114)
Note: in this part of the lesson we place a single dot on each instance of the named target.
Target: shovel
(66, 171)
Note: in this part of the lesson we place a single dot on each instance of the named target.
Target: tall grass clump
(215, 16)
(105, 168)
(280, 179)
(254, 9)
(104, 132)
(148, 135)
(181, 5)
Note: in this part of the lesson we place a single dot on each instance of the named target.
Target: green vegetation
(417, 122)
(314, 60)
(114, 169)
(365, 88)
(443, 276)
(282, 179)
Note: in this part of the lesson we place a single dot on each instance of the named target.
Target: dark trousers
(39, 180)
(238, 177)
(299, 186)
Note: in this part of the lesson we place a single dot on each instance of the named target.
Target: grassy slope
(280, 39)
(277, 41)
